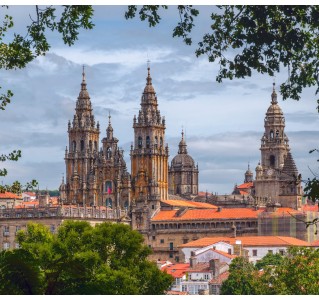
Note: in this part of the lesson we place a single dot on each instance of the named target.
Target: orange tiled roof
(185, 203)
(208, 214)
(248, 241)
(246, 185)
(315, 243)
(176, 270)
(224, 253)
(9, 195)
(28, 204)
(243, 193)
(219, 280)
(308, 207)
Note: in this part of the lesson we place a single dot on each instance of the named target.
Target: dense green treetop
(108, 259)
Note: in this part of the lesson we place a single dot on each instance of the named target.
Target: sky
(223, 122)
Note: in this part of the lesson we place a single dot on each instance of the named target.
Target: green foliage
(81, 259)
(150, 13)
(294, 274)
(242, 279)
(269, 259)
(262, 38)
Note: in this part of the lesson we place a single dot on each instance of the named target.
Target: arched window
(109, 203)
(74, 146)
(108, 187)
(126, 205)
(272, 160)
(277, 133)
(95, 145)
(82, 145)
(140, 142)
(108, 152)
(161, 142)
(148, 142)
(156, 142)
(271, 134)
(90, 145)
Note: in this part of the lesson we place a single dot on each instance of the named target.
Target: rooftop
(248, 241)
(176, 270)
(9, 195)
(186, 203)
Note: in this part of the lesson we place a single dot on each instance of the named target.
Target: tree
(294, 274)
(242, 280)
(269, 259)
(81, 259)
(16, 50)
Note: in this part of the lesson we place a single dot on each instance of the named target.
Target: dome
(259, 167)
(248, 172)
(184, 160)
(274, 109)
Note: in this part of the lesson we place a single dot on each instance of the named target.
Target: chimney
(193, 261)
(214, 266)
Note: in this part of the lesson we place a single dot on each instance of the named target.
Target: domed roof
(184, 160)
(274, 108)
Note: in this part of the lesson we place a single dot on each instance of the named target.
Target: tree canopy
(294, 274)
(81, 260)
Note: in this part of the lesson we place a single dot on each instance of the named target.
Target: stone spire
(274, 95)
(289, 166)
(182, 145)
(83, 103)
(109, 130)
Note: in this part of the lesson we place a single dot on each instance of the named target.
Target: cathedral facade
(94, 177)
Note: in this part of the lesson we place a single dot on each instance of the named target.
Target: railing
(63, 212)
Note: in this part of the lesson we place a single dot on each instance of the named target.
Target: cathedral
(157, 195)
(98, 176)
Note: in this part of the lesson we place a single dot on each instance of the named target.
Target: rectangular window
(171, 246)
(229, 251)
(6, 246)
(6, 231)
(162, 241)
(153, 237)
(206, 276)
(254, 252)
(282, 252)
(171, 255)
(17, 246)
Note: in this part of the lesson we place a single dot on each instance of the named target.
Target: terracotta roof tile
(9, 195)
(185, 203)
(248, 241)
(315, 243)
(208, 214)
(308, 207)
(246, 185)
(224, 253)
(176, 270)
(220, 279)
(176, 293)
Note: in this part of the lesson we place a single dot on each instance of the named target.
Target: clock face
(269, 172)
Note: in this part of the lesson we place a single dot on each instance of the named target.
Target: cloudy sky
(223, 122)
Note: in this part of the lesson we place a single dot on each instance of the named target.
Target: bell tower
(277, 168)
(149, 157)
(81, 185)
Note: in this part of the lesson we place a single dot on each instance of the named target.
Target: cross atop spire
(109, 118)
